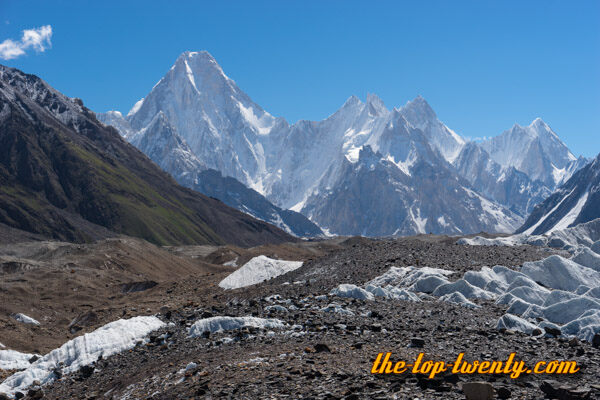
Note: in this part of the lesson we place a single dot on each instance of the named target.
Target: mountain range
(65, 175)
(364, 170)
(575, 202)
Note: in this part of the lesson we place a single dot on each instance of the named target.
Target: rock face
(432, 178)
(372, 197)
(505, 184)
(65, 175)
(233, 193)
(576, 202)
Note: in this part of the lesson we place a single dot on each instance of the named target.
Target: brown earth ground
(59, 282)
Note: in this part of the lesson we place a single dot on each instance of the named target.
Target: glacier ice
(26, 319)
(258, 269)
(105, 341)
(221, 323)
(12, 359)
(553, 292)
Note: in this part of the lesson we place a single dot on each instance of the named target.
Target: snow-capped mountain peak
(375, 105)
(421, 116)
(360, 159)
(418, 112)
(212, 115)
(535, 150)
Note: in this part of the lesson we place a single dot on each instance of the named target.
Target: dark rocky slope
(65, 175)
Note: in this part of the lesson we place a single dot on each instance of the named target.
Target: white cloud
(37, 38)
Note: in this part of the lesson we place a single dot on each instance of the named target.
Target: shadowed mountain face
(575, 202)
(65, 175)
(167, 149)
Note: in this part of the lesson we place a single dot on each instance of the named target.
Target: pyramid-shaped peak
(418, 111)
(200, 55)
(352, 100)
(419, 102)
(539, 123)
(535, 129)
(198, 62)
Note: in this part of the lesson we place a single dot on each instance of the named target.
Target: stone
(552, 331)
(503, 392)
(596, 340)
(554, 390)
(35, 394)
(417, 342)
(478, 390)
(86, 371)
(322, 348)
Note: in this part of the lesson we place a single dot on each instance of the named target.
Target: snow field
(257, 270)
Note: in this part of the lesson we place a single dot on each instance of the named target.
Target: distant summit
(364, 170)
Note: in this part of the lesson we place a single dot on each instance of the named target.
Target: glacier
(258, 269)
(105, 341)
(554, 292)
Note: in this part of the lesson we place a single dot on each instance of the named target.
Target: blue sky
(482, 65)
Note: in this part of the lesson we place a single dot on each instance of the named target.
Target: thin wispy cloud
(38, 39)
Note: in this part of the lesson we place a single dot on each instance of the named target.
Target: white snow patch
(258, 269)
(220, 324)
(336, 308)
(110, 339)
(542, 219)
(458, 298)
(231, 263)
(351, 291)
(190, 75)
(406, 165)
(25, 319)
(418, 221)
(512, 322)
(11, 359)
(500, 241)
(136, 107)
(560, 273)
(571, 215)
(262, 125)
(442, 221)
(558, 174)
(353, 153)
(299, 205)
